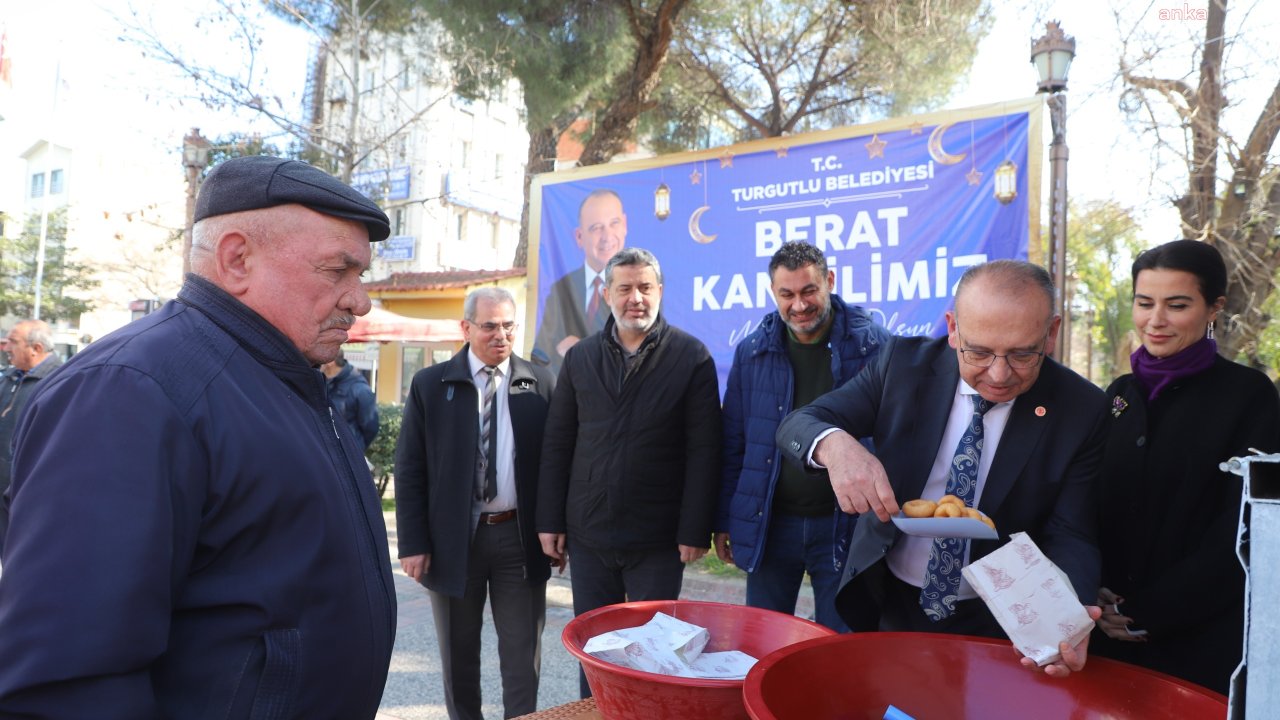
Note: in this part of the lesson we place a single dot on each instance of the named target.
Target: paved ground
(414, 690)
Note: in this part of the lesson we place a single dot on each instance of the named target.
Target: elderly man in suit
(983, 414)
(466, 481)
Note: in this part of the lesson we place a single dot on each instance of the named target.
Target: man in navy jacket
(192, 534)
(776, 521)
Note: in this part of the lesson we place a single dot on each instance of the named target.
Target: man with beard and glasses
(631, 456)
(192, 531)
(777, 521)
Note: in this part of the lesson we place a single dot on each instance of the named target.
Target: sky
(121, 105)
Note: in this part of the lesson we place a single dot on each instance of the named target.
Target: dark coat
(759, 395)
(190, 535)
(436, 467)
(565, 314)
(634, 464)
(353, 399)
(1041, 482)
(1169, 516)
(14, 393)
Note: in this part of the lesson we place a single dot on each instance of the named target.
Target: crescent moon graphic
(935, 147)
(695, 232)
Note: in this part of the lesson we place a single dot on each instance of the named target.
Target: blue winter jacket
(192, 534)
(756, 400)
(353, 399)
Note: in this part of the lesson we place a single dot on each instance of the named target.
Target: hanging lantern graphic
(662, 201)
(1006, 185)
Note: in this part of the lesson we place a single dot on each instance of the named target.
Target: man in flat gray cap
(193, 529)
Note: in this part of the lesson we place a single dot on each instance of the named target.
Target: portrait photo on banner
(900, 208)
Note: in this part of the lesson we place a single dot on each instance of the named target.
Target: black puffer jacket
(632, 460)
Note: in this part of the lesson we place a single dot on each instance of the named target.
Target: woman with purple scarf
(1173, 589)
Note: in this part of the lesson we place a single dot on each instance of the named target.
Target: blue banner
(900, 209)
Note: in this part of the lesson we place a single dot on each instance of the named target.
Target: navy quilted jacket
(758, 397)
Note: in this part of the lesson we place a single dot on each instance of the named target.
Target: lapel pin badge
(1118, 405)
(1040, 411)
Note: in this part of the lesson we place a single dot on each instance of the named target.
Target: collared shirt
(909, 557)
(506, 450)
(589, 276)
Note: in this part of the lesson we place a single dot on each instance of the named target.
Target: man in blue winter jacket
(776, 521)
(352, 398)
(193, 534)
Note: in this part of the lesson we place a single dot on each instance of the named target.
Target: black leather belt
(497, 518)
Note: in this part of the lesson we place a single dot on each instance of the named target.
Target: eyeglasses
(1021, 360)
(507, 328)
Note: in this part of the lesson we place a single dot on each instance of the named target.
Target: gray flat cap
(260, 181)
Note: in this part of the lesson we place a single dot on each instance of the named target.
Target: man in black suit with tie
(1024, 434)
(575, 306)
(466, 482)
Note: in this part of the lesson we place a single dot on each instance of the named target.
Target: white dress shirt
(909, 557)
(506, 450)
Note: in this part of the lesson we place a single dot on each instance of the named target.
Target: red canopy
(385, 326)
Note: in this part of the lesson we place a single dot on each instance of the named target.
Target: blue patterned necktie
(942, 578)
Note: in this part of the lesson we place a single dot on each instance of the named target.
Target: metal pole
(193, 177)
(1058, 218)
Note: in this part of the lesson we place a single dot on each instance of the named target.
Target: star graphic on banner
(726, 160)
(875, 147)
(974, 176)
(917, 127)
(695, 177)
(782, 152)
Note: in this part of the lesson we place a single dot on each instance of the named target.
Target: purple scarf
(1155, 374)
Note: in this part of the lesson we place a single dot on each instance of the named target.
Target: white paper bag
(1031, 598)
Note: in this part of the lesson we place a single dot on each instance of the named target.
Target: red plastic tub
(626, 694)
(930, 676)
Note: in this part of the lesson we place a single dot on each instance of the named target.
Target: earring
(1209, 332)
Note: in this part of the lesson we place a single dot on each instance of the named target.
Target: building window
(37, 185)
(462, 226)
(397, 222)
(402, 148)
(464, 149)
(496, 230)
(498, 162)
(55, 182)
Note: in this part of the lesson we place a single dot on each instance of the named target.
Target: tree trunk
(636, 85)
(1197, 207)
(542, 158)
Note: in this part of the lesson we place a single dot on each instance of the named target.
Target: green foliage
(561, 51)
(1268, 350)
(1102, 241)
(234, 145)
(18, 259)
(712, 565)
(382, 451)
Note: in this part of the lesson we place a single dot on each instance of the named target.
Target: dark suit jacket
(436, 467)
(565, 314)
(1041, 481)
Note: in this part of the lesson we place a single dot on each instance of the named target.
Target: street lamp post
(195, 158)
(1051, 55)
